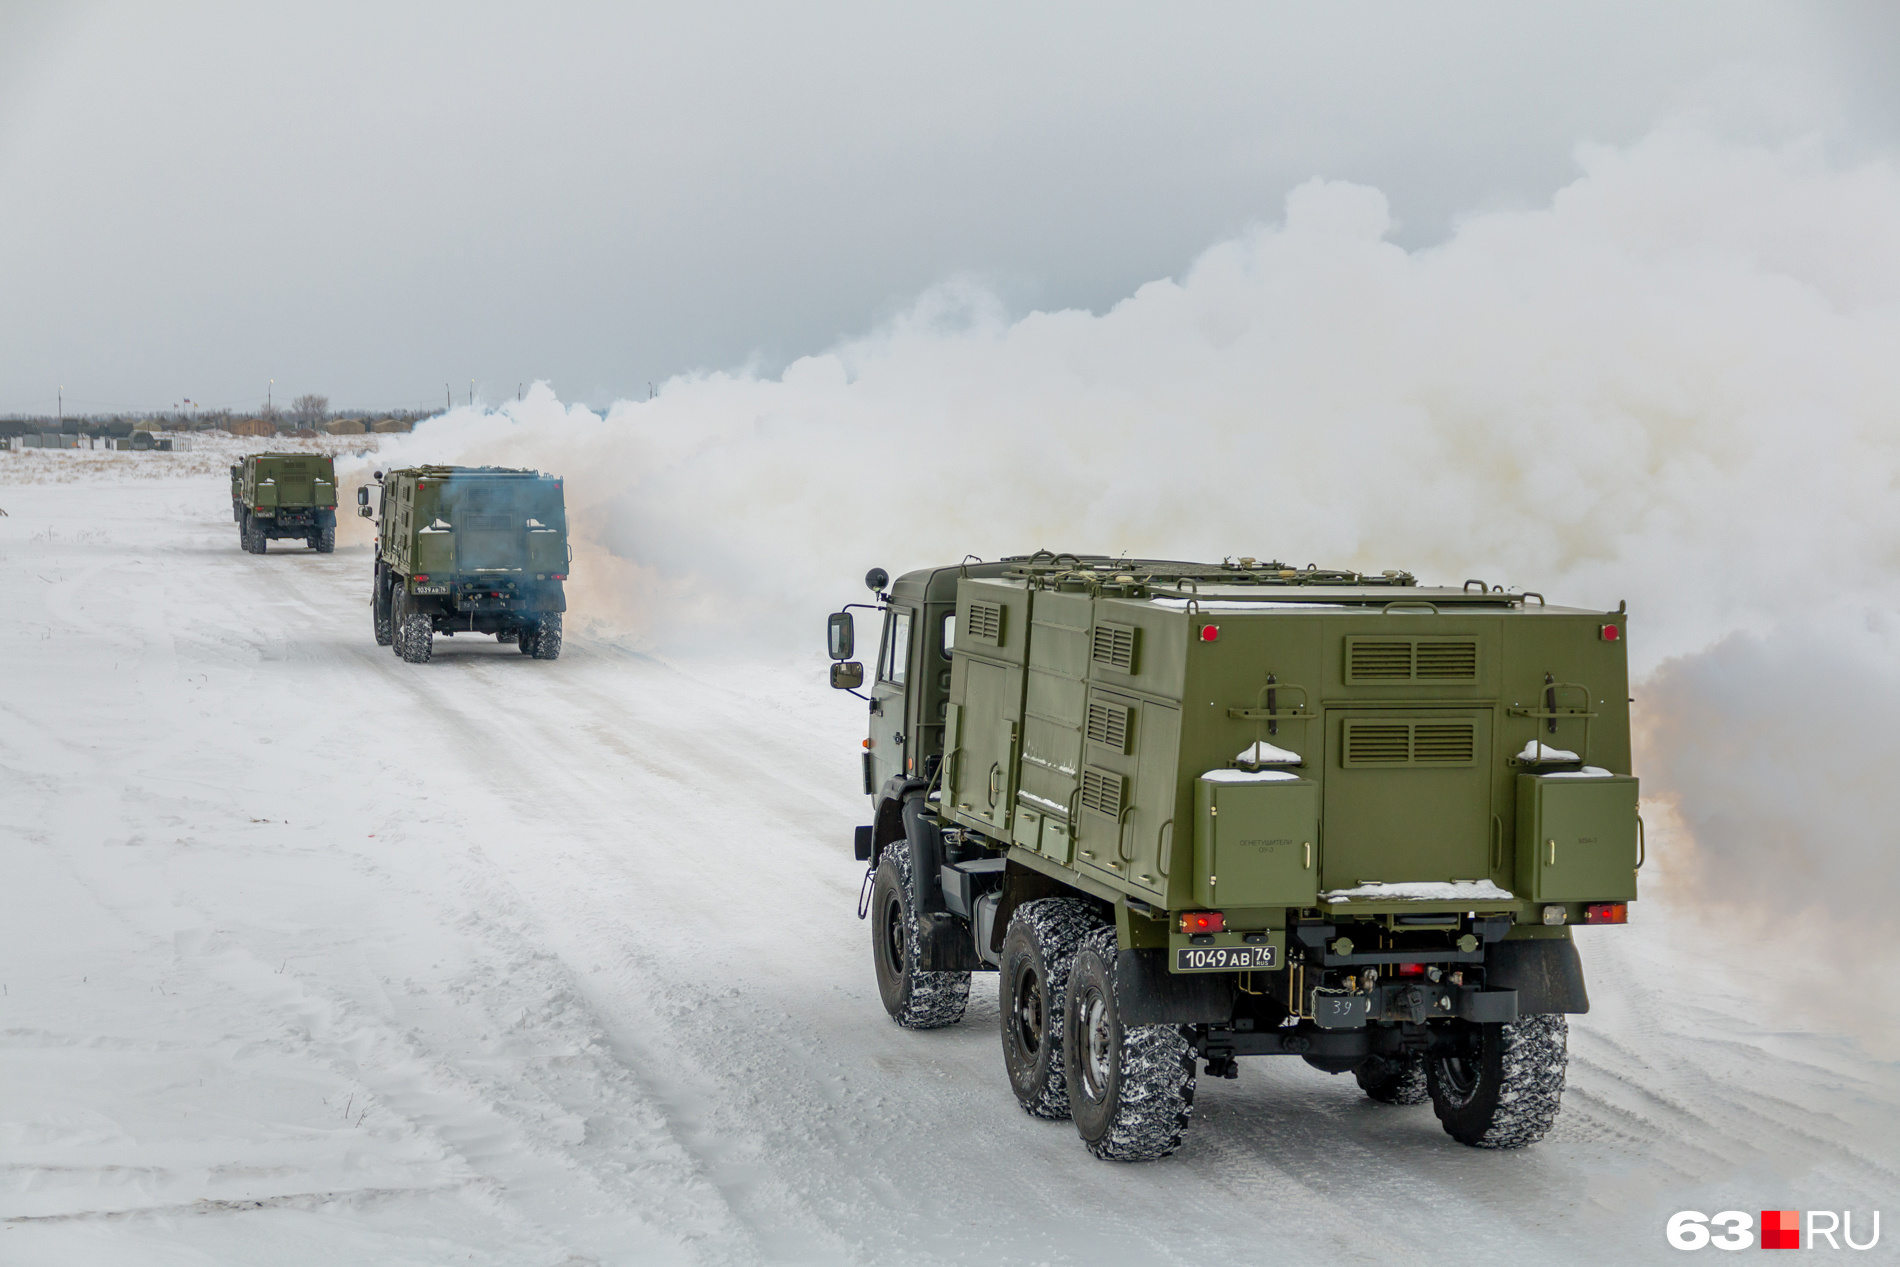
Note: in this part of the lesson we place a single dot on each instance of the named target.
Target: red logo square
(1781, 1229)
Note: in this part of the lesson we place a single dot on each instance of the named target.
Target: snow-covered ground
(311, 956)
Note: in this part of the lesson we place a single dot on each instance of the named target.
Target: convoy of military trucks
(1186, 812)
(1190, 813)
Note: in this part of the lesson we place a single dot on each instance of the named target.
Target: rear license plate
(1223, 958)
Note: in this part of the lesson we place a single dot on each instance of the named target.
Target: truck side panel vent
(1378, 743)
(1440, 743)
(1411, 659)
(1102, 792)
(984, 624)
(1108, 725)
(1114, 646)
(1447, 660)
(1378, 660)
(1444, 743)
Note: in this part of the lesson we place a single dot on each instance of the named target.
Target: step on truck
(278, 495)
(467, 549)
(1190, 813)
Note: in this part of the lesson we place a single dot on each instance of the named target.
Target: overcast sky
(370, 201)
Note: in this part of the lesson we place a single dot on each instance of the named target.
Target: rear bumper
(293, 521)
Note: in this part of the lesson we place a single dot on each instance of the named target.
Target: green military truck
(468, 549)
(1194, 812)
(284, 495)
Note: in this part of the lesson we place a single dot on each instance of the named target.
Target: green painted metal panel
(1576, 838)
(1393, 817)
(435, 552)
(1256, 844)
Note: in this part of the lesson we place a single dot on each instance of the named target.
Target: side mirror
(362, 495)
(839, 633)
(848, 676)
(236, 472)
(877, 579)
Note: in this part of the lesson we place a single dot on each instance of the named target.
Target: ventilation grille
(488, 523)
(1102, 792)
(1447, 660)
(1368, 661)
(1411, 659)
(984, 624)
(1411, 743)
(1444, 743)
(1114, 645)
(1378, 743)
(1108, 726)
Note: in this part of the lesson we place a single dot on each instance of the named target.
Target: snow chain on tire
(1131, 1088)
(1394, 1079)
(1508, 1095)
(1038, 953)
(547, 638)
(914, 999)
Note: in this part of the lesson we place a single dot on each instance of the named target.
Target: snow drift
(1677, 384)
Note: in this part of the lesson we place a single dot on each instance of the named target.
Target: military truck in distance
(468, 549)
(1195, 812)
(284, 495)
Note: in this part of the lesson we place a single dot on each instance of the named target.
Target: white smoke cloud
(1679, 384)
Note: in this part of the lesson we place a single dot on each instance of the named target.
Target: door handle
(1553, 853)
(994, 767)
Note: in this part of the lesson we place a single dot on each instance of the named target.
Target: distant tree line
(307, 413)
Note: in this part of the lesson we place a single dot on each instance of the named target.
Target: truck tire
(1131, 1088)
(324, 541)
(1038, 953)
(1394, 1079)
(379, 611)
(547, 638)
(915, 1000)
(1508, 1093)
(415, 633)
(252, 535)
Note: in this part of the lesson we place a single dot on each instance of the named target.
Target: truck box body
(276, 495)
(469, 550)
(1104, 734)
(450, 522)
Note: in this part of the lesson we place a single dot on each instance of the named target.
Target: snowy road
(313, 956)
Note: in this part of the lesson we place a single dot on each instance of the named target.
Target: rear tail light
(559, 576)
(1203, 922)
(1611, 633)
(420, 576)
(1210, 633)
(1408, 969)
(1606, 913)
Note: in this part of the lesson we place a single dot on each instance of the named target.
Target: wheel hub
(1097, 1047)
(1027, 1014)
